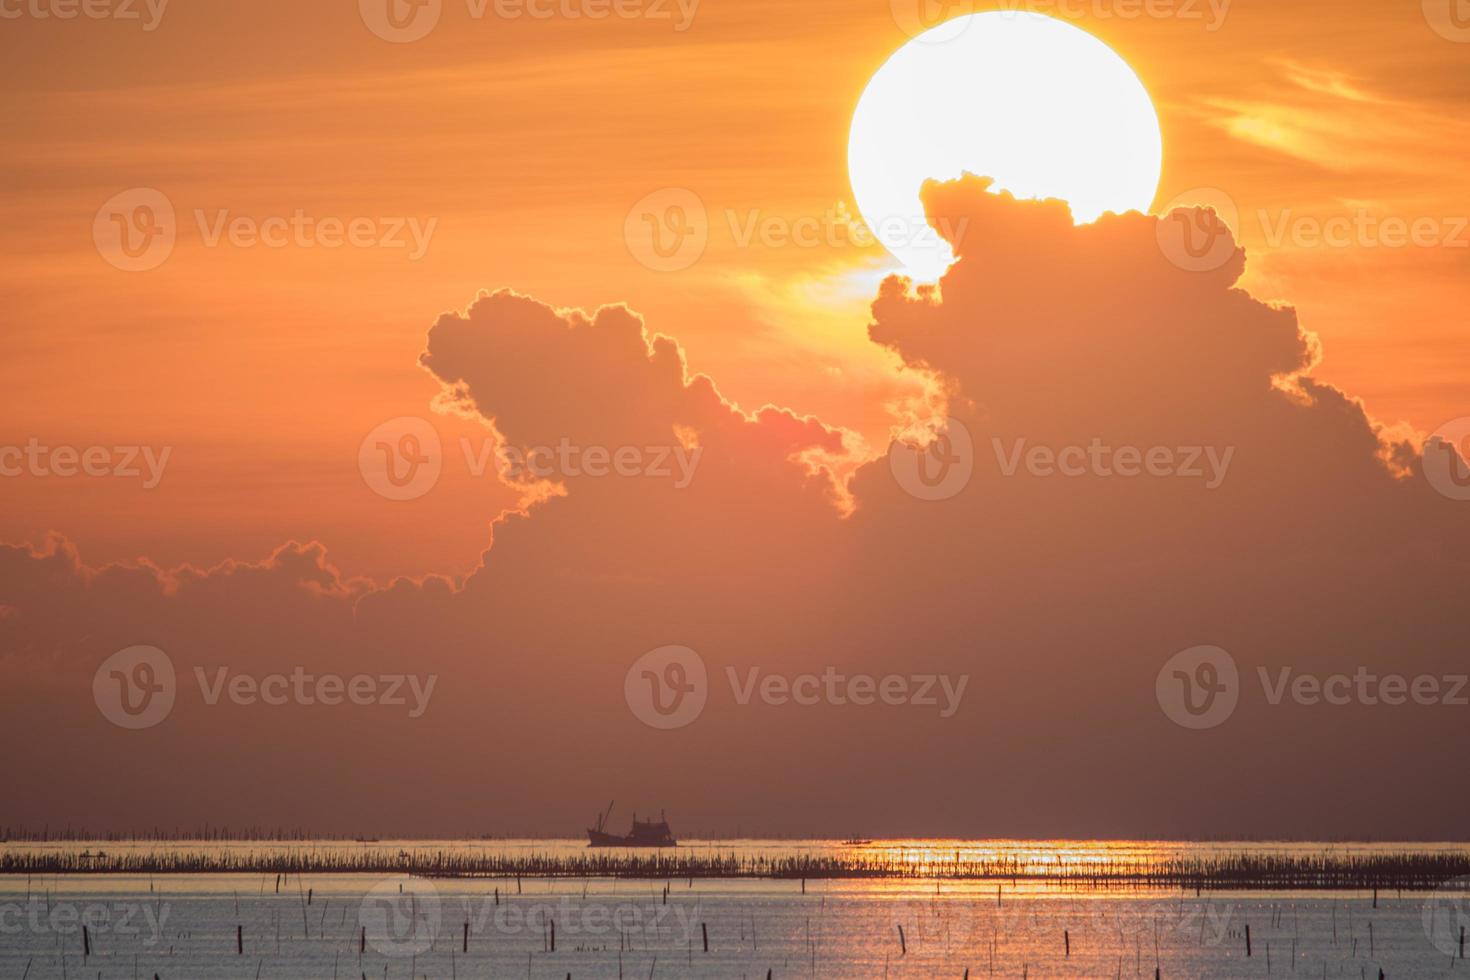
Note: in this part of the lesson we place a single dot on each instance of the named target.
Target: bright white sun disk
(1042, 106)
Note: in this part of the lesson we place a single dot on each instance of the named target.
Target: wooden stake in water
(903, 944)
(1247, 939)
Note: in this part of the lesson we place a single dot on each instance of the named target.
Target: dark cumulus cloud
(1146, 465)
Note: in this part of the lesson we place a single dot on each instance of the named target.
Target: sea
(390, 924)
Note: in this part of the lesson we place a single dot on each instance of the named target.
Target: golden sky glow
(1098, 494)
(528, 140)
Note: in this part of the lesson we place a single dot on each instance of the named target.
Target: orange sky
(528, 140)
(507, 154)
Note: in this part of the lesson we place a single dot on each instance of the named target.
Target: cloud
(541, 377)
(1342, 124)
(1318, 548)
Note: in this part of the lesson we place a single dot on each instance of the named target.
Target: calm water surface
(188, 926)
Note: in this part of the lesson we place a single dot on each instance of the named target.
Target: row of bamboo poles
(1399, 871)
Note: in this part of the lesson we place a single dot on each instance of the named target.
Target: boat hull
(596, 838)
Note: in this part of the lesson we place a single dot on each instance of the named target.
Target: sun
(1042, 106)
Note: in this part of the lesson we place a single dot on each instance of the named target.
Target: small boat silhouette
(645, 833)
